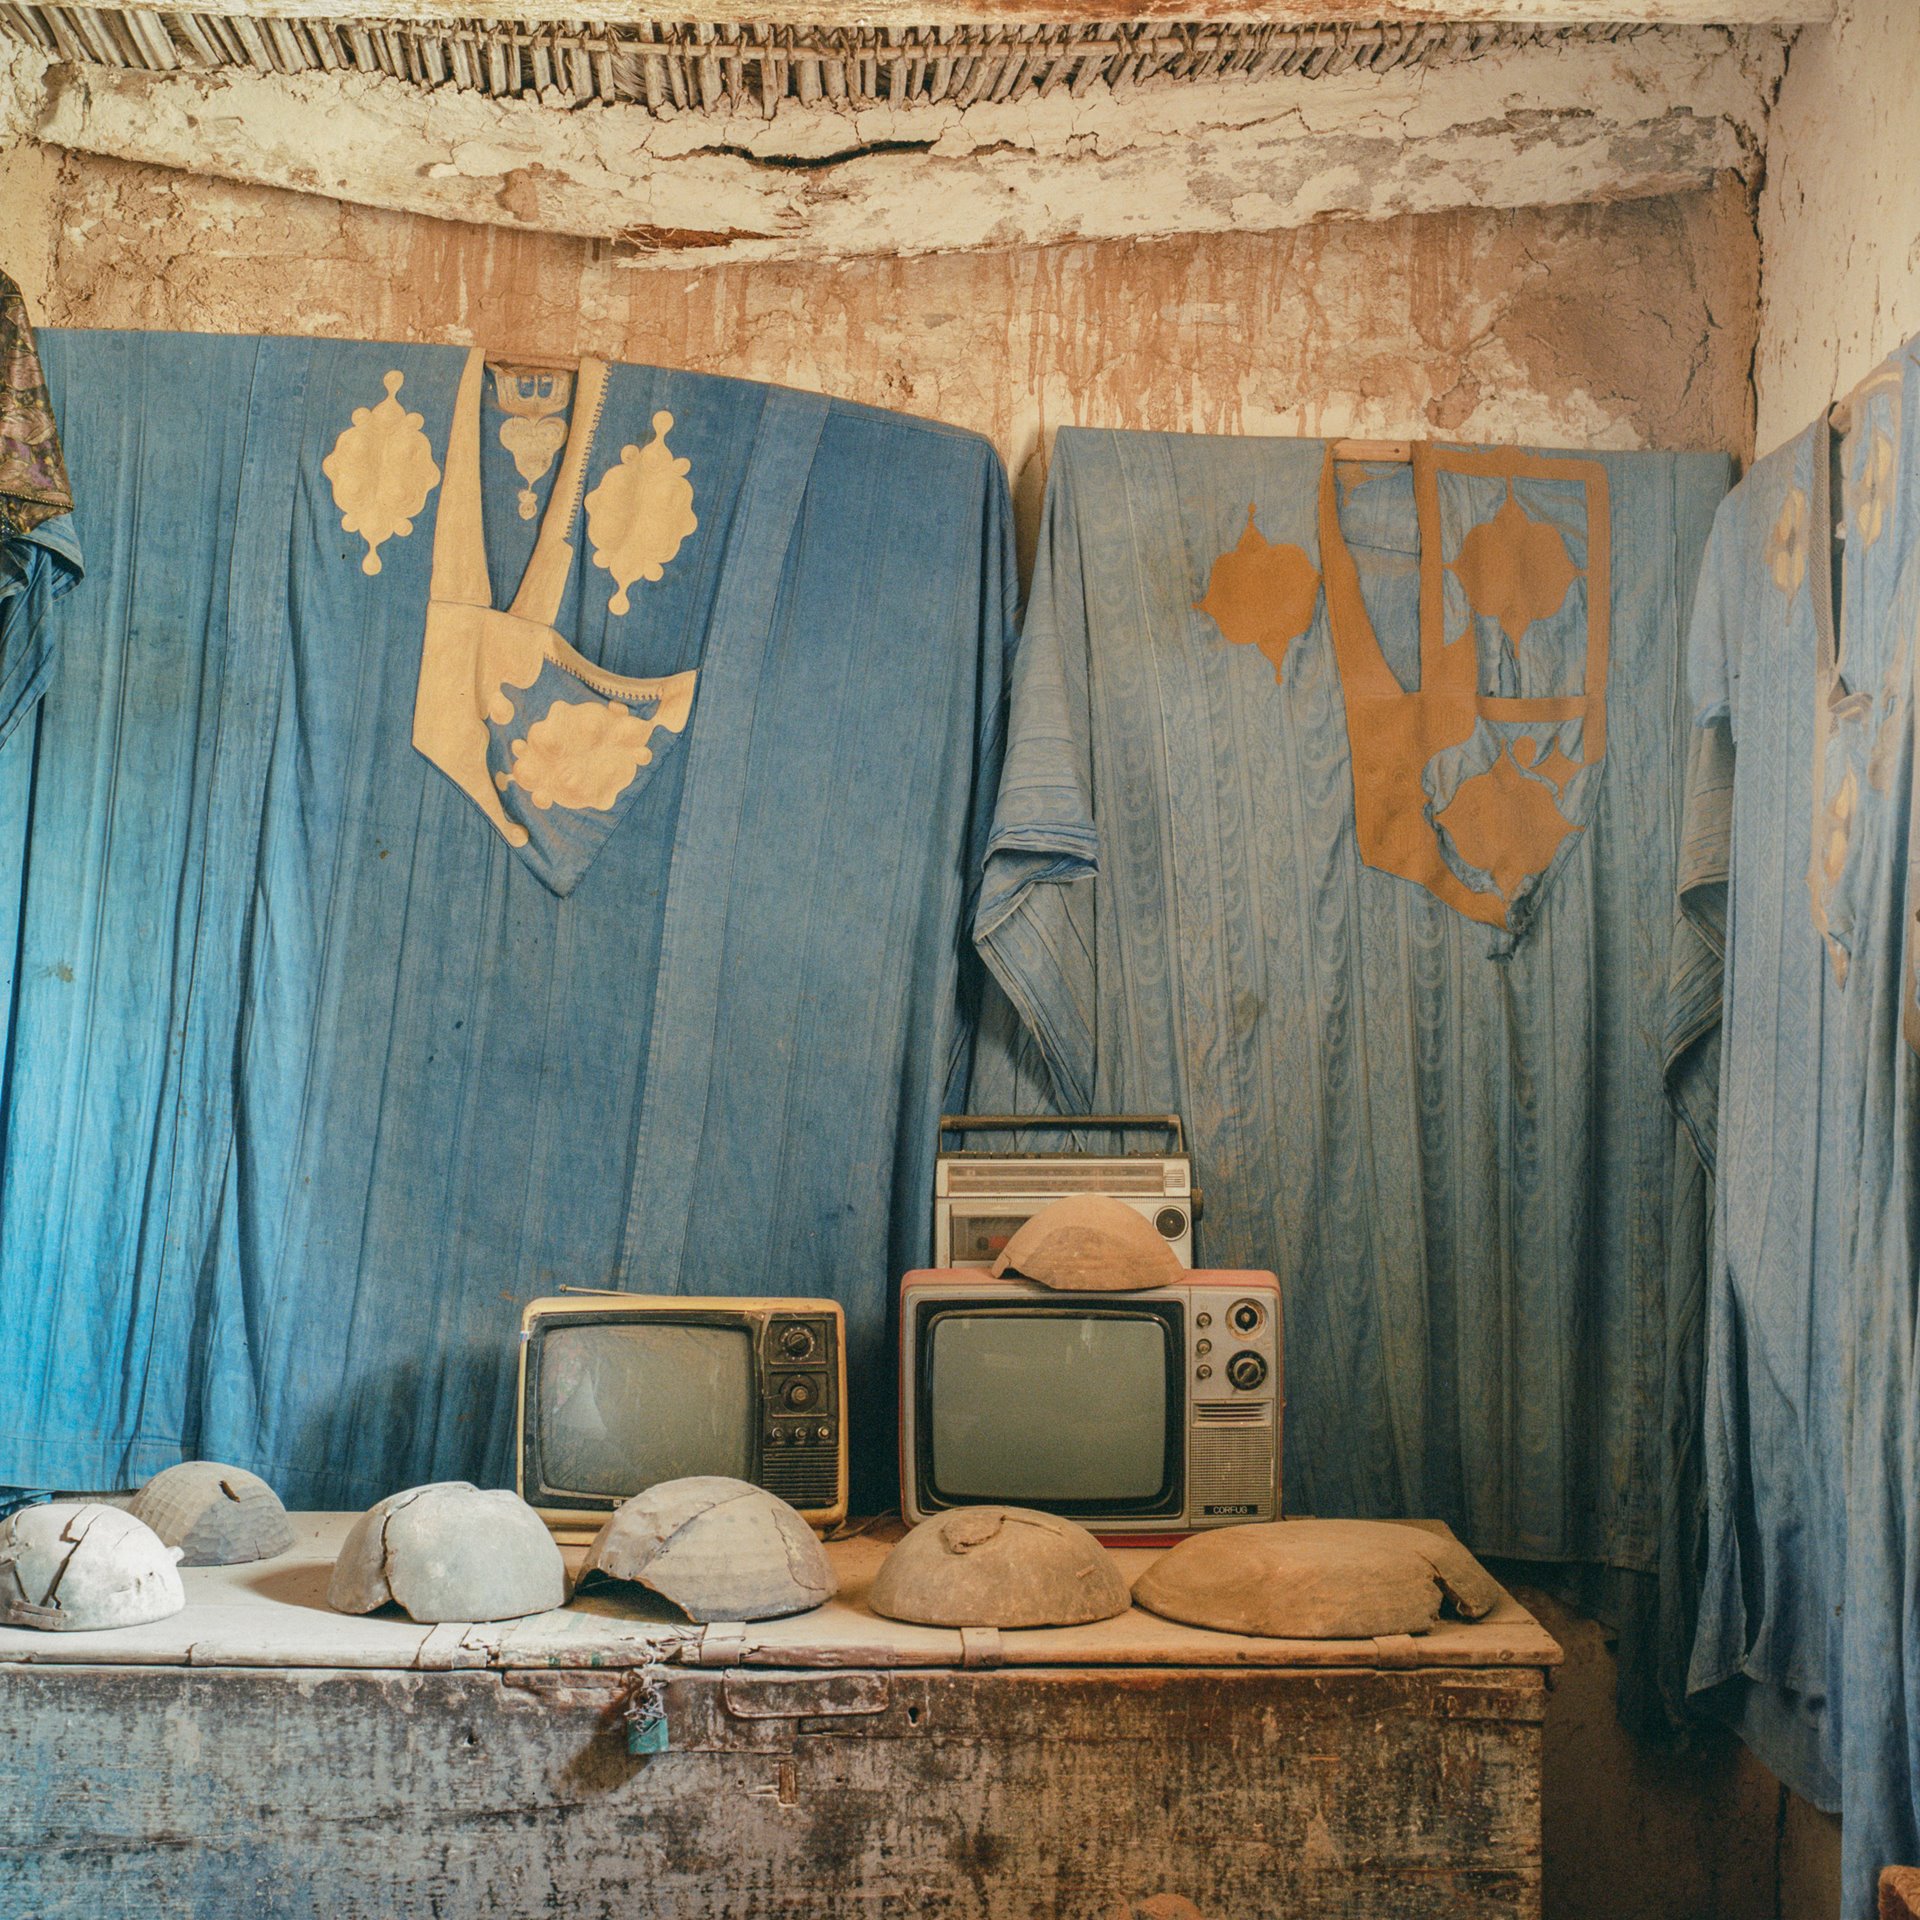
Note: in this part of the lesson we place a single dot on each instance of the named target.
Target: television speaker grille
(804, 1477)
(1231, 1457)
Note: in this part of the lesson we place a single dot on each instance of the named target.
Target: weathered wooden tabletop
(260, 1757)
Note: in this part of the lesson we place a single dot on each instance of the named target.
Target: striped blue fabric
(1449, 1138)
(313, 1078)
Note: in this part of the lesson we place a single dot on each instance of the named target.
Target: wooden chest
(832, 1766)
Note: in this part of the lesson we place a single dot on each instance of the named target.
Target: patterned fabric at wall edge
(33, 475)
(1803, 812)
(39, 550)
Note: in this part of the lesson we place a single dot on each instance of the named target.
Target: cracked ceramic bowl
(1317, 1580)
(716, 1548)
(999, 1567)
(217, 1516)
(75, 1566)
(449, 1551)
(1090, 1243)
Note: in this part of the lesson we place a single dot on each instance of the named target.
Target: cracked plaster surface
(1629, 324)
(1839, 213)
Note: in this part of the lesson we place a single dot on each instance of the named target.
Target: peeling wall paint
(1618, 325)
(1840, 213)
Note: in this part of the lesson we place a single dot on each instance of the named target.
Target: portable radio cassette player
(1148, 1413)
(619, 1391)
(981, 1200)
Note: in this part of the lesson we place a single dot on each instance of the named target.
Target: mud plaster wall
(1619, 326)
(1840, 212)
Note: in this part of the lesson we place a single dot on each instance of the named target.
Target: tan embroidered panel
(474, 658)
(1262, 596)
(1514, 569)
(382, 471)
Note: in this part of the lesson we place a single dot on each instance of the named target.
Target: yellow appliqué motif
(1506, 824)
(534, 429)
(640, 512)
(1787, 544)
(382, 470)
(583, 754)
(1515, 569)
(1875, 490)
(1261, 595)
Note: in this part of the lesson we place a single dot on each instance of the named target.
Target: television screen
(1049, 1406)
(622, 1406)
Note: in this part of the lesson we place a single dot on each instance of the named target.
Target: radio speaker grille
(1104, 1176)
(1233, 1463)
(806, 1477)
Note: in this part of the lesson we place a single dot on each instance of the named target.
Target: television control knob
(797, 1342)
(1203, 1371)
(776, 1436)
(1246, 1371)
(1203, 1319)
(1203, 1346)
(799, 1395)
(823, 1432)
(1171, 1222)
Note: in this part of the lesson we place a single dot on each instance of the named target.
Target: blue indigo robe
(1803, 672)
(1340, 814)
(368, 988)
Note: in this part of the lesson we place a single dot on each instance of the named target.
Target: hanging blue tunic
(413, 918)
(1340, 814)
(1805, 673)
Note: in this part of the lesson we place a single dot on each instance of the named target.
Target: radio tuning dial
(799, 1394)
(797, 1342)
(1246, 1371)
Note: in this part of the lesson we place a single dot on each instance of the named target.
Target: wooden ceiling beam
(902, 14)
(1517, 126)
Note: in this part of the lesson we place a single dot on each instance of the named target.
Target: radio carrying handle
(1068, 1122)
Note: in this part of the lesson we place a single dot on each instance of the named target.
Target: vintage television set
(619, 1391)
(982, 1199)
(1146, 1414)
